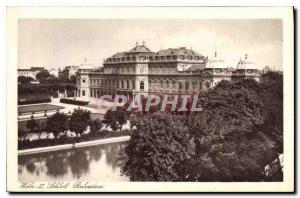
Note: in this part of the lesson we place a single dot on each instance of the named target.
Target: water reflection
(96, 163)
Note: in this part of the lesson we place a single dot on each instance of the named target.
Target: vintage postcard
(150, 99)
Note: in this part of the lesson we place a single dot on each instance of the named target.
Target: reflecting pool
(95, 163)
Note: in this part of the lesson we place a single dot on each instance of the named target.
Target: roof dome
(245, 64)
(216, 62)
(86, 65)
(139, 48)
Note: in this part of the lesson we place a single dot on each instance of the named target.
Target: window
(161, 84)
(127, 83)
(194, 86)
(83, 92)
(122, 84)
(142, 85)
(187, 86)
(133, 84)
(83, 80)
(173, 84)
(154, 84)
(167, 84)
(180, 85)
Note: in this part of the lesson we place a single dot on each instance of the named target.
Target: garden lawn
(38, 108)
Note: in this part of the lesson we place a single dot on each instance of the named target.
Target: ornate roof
(178, 51)
(139, 49)
(143, 50)
(216, 62)
(245, 64)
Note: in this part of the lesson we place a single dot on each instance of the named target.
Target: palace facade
(168, 71)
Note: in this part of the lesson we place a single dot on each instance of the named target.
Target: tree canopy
(239, 131)
(56, 123)
(24, 80)
(42, 75)
(79, 120)
(157, 145)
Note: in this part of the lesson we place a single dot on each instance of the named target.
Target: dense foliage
(79, 120)
(239, 131)
(49, 85)
(42, 76)
(75, 102)
(31, 124)
(24, 80)
(34, 101)
(56, 123)
(115, 119)
(158, 145)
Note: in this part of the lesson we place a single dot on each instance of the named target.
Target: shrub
(75, 102)
(34, 101)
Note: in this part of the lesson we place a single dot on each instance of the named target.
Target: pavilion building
(168, 71)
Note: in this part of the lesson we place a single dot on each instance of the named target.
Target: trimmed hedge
(26, 144)
(74, 102)
(34, 101)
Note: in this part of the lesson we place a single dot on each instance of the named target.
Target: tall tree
(42, 76)
(79, 120)
(56, 123)
(230, 110)
(31, 124)
(158, 144)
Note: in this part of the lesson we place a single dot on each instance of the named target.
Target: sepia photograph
(122, 102)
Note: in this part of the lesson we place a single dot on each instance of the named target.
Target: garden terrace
(38, 108)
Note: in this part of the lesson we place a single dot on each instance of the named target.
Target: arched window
(187, 86)
(142, 85)
(167, 84)
(155, 83)
(173, 84)
(194, 86)
(180, 85)
(161, 84)
(133, 84)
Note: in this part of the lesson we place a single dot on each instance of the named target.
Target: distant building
(32, 72)
(168, 71)
(69, 71)
(53, 72)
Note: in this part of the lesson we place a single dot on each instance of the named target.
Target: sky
(56, 43)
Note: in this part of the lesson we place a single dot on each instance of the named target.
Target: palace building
(168, 71)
